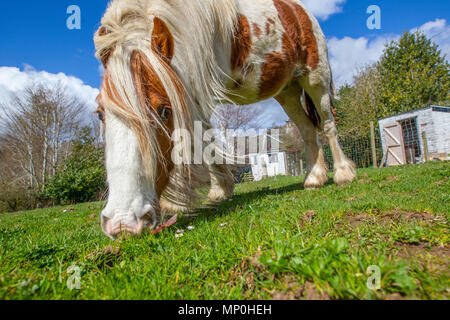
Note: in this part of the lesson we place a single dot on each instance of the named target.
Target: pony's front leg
(222, 183)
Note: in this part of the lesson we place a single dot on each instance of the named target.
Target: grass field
(273, 240)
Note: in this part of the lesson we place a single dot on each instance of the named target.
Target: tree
(413, 74)
(83, 176)
(235, 117)
(291, 138)
(37, 124)
(359, 104)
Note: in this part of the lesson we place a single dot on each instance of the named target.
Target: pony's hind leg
(318, 98)
(317, 170)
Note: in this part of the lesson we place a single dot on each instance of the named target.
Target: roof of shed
(413, 111)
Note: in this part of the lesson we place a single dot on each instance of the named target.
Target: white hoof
(316, 179)
(345, 173)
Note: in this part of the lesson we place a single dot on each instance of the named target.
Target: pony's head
(141, 99)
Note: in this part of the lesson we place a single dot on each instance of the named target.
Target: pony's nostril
(122, 226)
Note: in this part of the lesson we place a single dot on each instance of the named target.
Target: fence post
(425, 146)
(373, 145)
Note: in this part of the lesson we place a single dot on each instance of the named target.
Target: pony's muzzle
(126, 223)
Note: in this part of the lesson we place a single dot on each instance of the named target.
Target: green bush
(82, 178)
(14, 198)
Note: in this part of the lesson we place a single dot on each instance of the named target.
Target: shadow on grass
(211, 212)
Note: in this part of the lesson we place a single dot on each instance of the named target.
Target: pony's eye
(101, 117)
(164, 112)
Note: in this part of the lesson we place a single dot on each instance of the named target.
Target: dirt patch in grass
(433, 258)
(392, 179)
(408, 216)
(254, 260)
(296, 291)
(308, 217)
(293, 289)
(355, 219)
(396, 297)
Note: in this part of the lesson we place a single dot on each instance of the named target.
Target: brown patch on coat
(242, 43)
(257, 30)
(267, 28)
(309, 45)
(299, 45)
(274, 73)
(299, 40)
(270, 22)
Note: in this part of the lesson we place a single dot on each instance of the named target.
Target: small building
(266, 165)
(272, 152)
(408, 137)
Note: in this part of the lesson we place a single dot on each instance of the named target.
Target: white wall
(441, 132)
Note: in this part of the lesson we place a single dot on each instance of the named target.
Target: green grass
(273, 240)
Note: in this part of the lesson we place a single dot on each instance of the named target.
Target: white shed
(407, 136)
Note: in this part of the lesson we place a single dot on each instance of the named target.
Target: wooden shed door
(393, 138)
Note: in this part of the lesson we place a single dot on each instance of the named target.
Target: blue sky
(35, 39)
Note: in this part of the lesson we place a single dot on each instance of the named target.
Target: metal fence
(362, 146)
(365, 147)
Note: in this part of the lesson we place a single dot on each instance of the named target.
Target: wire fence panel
(411, 140)
(358, 148)
(364, 146)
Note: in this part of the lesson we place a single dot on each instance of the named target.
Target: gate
(395, 149)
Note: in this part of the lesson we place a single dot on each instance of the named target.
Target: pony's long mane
(192, 81)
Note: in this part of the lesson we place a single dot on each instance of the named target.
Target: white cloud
(323, 9)
(13, 80)
(347, 55)
(270, 114)
(439, 32)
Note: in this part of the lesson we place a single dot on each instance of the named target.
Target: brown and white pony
(168, 63)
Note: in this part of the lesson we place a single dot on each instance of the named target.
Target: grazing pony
(169, 63)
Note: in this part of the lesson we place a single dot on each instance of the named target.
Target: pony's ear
(162, 40)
